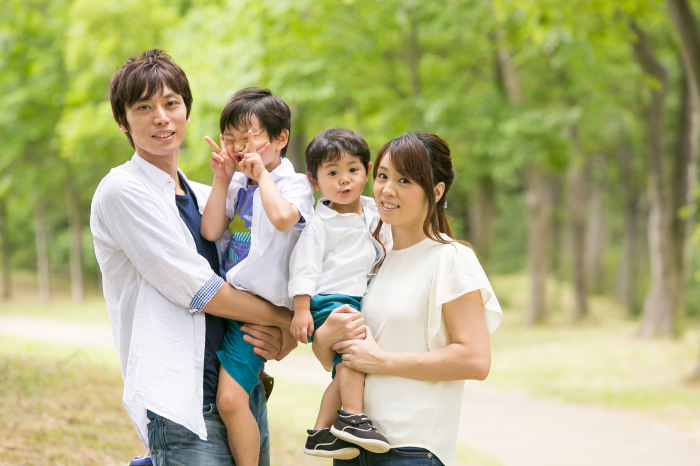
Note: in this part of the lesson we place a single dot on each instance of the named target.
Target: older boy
(159, 274)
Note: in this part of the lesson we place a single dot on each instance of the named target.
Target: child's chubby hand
(302, 325)
(221, 162)
(251, 163)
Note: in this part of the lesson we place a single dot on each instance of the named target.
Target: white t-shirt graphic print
(404, 310)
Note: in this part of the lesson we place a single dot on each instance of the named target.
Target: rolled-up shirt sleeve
(151, 240)
(305, 265)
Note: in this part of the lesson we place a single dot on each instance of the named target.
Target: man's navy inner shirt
(189, 211)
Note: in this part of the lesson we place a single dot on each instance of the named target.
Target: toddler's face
(342, 181)
(236, 142)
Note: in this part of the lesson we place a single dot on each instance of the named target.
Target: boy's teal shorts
(237, 357)
(321, 307)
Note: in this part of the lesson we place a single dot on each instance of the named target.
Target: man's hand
(221, 162)
(251, 163)
(267, 341)
(302, 325)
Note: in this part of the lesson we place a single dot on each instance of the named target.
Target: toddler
(329, 267)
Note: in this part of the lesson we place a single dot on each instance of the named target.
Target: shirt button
(197, 351)
(199, 387)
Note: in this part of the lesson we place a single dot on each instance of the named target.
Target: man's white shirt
(155, 285)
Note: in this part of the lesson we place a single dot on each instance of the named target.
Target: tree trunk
(534, 199)
(75, 251)
(295, 147)
(689, 35)
(42, 251)
(482, 214)
(684, 185)
(5, 245)
(660, 306)
(414, 56)
(687, 28)
(556, 209)
(537, 245)
(596, 241)
(626, 289)
(578, 179)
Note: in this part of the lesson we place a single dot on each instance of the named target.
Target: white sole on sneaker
(375, 446)
(342, 454)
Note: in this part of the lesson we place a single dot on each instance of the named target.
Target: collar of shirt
(367, 203)
(284, 169)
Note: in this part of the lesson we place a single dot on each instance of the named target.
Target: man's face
(157, 125)
(236, 141)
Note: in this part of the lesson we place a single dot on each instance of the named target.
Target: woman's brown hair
(425, 159)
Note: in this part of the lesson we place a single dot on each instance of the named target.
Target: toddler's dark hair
(273, 113)
(330, 144)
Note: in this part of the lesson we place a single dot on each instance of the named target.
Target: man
(159, 275)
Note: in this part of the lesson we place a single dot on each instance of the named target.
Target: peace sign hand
(221, 162)
(251, 164)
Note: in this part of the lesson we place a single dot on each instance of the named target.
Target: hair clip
(445, 205)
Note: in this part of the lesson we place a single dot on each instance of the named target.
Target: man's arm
(240, 305)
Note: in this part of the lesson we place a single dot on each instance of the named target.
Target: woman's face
(401, 201)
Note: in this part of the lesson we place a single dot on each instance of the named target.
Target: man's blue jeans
(173, 445)
(404, 456)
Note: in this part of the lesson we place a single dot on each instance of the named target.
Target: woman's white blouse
(404, 310)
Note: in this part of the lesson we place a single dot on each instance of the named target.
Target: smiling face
(342, 181)
(236, 141)
(401, 201)
(157, 125)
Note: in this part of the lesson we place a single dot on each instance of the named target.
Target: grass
(598, 361)
(61, 406)
(62, 411)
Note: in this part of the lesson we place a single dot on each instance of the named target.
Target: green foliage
(381, 68)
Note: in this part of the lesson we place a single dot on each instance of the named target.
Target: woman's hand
(343, 323)
(266, 341)
(363, 355)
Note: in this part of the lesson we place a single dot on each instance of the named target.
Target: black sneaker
(358, 429)
(323, 443)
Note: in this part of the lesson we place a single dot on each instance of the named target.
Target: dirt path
(517, 429)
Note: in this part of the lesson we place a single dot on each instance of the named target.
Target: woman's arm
(343, 323)
(467, 357)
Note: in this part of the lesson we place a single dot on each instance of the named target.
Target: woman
(430, 309)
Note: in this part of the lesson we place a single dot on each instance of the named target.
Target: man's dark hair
(330, 145)
(272, 112)
(142, 77)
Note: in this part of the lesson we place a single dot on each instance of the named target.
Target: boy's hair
(330, 144)
(147, 73)
(273, 113)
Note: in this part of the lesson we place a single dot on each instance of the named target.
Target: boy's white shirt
(265, 271)
(155, 284)
(336, 253)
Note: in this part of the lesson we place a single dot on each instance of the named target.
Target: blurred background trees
(574, 125)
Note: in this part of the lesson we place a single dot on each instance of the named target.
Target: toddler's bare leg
(241, 427)
(330, 404)
(352, 387)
